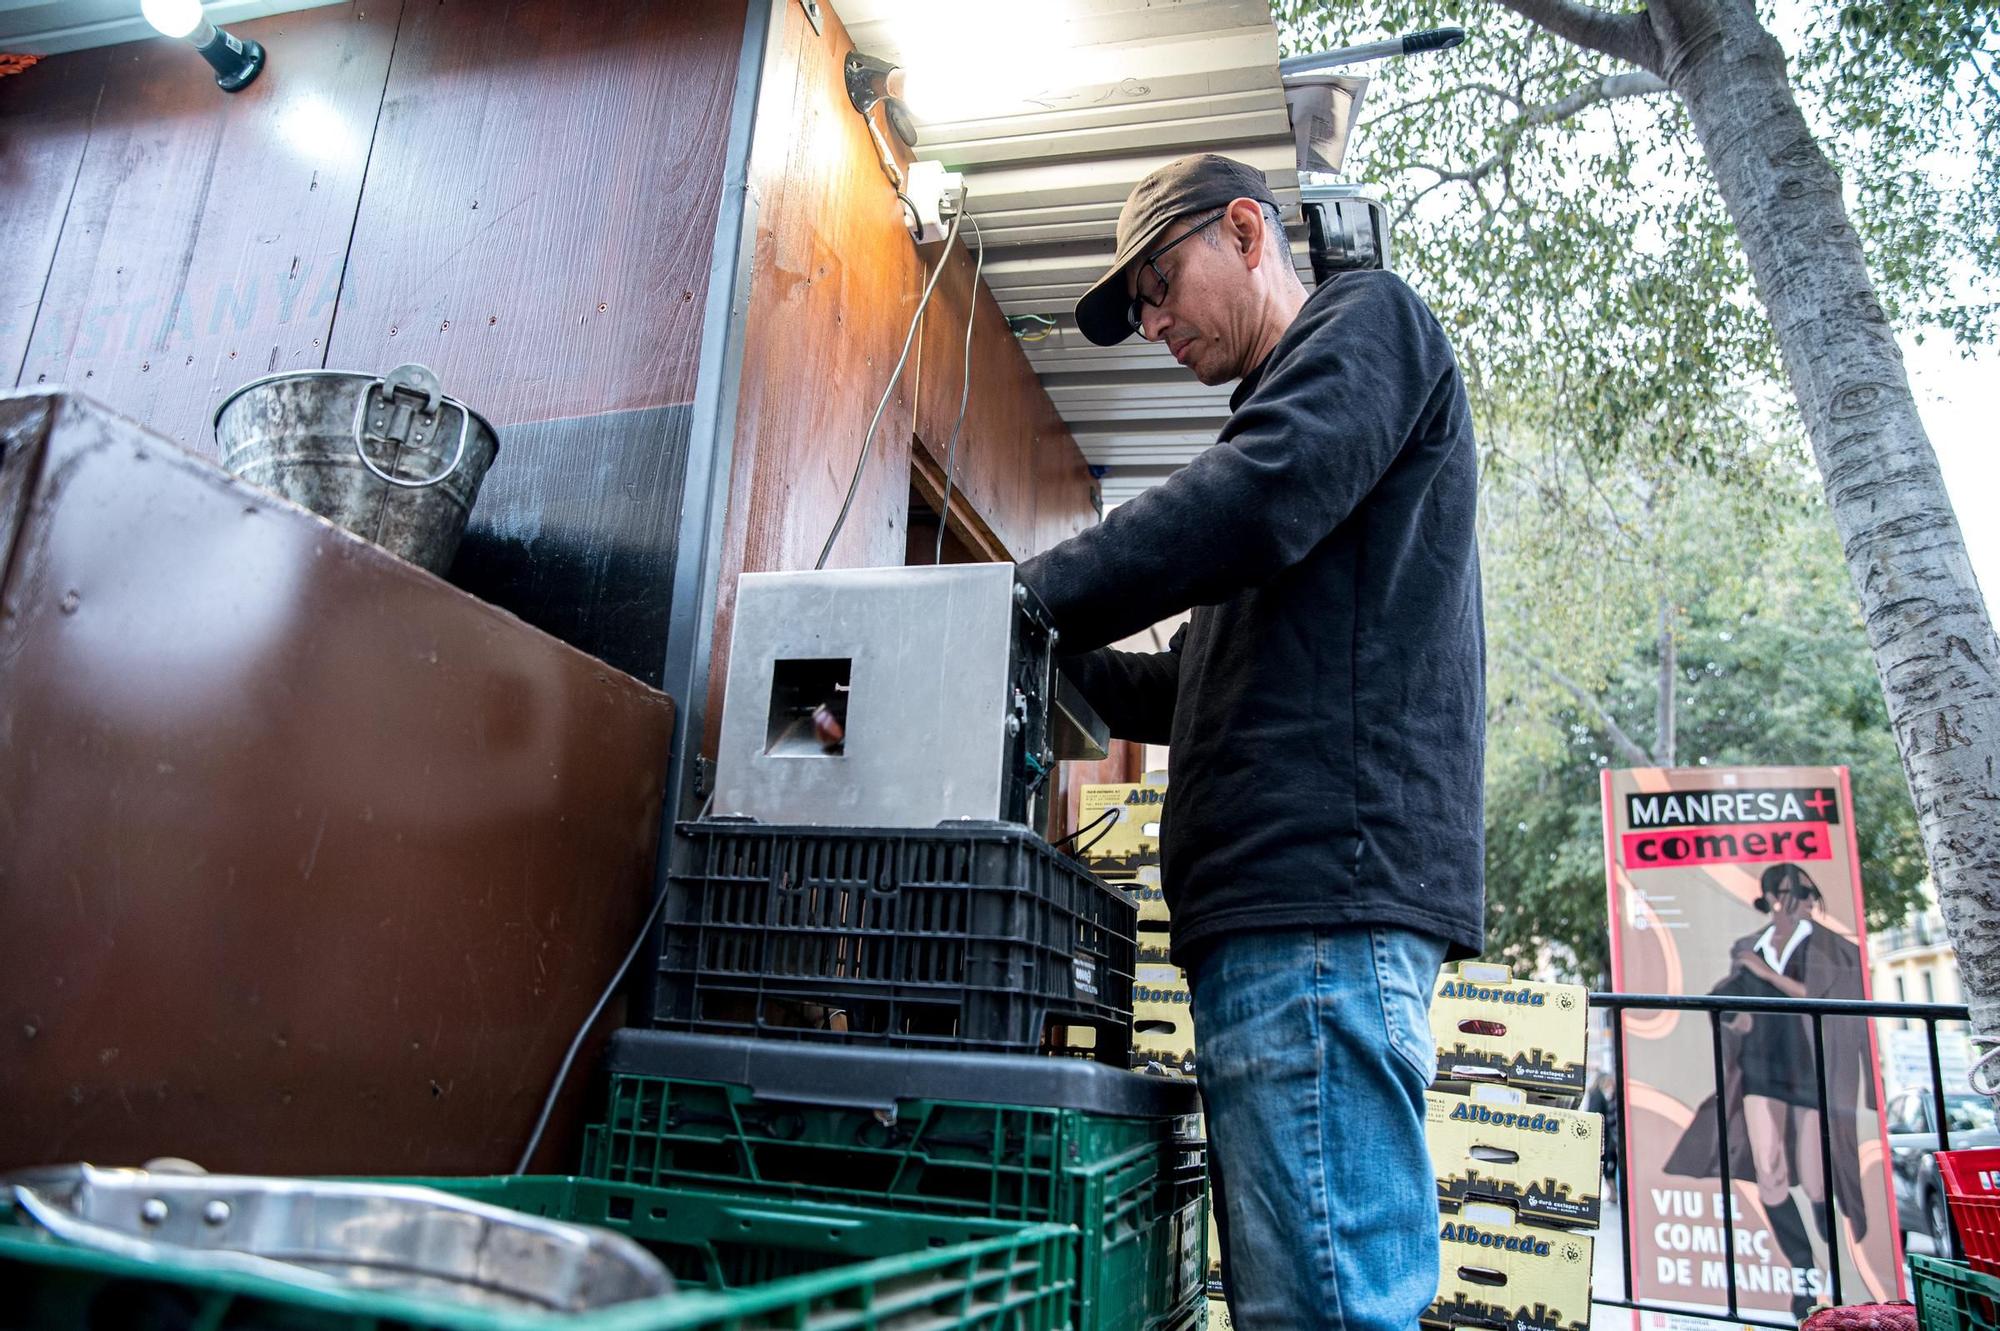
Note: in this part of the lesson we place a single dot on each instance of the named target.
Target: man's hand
(827, 728)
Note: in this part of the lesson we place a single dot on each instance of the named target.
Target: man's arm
(1291, 464)
(1133, 691)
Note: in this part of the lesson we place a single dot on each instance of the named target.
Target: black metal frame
(1717, 1007)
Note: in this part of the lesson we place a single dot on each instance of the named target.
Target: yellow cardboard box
(1491, 1145)
(1494, 1273)
(1162, 1020)
(1133, 838)
(1143, 884)
(1490, 1026)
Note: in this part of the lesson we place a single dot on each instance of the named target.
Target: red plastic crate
(1972, 1182)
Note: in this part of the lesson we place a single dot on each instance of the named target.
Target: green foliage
(1575, 247)
(1584, 237)
(1897, 84)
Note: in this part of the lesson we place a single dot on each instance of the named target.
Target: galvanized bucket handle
(414, 381)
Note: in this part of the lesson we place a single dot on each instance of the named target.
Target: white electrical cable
(861, 462)
(964, 386)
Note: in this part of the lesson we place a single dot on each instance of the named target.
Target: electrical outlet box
(937, 195)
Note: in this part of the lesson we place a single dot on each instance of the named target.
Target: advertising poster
(1745, 882)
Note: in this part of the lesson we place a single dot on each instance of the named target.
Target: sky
(1959, 399)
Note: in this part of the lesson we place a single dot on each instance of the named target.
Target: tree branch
(1627, 748)
(1492, 91)
(1414, 104)
(1610, 88)
(1627, 37)
(1434, 98)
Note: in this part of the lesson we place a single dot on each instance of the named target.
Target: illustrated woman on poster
(1769, 1081)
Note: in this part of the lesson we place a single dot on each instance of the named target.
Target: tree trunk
(1663, 711)
(1933, 640)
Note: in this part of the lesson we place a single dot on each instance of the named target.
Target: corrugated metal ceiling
(1052, 128)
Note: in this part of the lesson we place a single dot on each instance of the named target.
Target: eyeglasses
(1152, 288)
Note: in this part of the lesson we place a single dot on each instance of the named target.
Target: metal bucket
(388, 457)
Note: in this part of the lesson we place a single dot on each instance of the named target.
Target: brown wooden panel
(45, 115)
(835, 282)
(1016, 460)
(541, 203)
(992, 466)
(1065, 492)
(971, 529)
(206, 233)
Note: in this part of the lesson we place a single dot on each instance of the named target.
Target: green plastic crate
(760, 1263)
(1132, 1186)
(1951, 1296)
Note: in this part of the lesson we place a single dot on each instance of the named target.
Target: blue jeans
(1314, 1048)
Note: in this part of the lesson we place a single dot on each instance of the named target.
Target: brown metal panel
(308, 861)
(206, 235)
(541, 203)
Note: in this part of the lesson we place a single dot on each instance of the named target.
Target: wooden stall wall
(522, 197)
(836, 281)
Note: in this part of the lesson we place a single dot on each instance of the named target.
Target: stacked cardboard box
(1517, 1163)
(1126, 853)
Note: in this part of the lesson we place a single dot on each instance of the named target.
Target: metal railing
(1717, 1007)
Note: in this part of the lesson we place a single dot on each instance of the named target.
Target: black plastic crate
(973, 937)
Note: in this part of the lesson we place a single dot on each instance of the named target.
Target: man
(1324, 831)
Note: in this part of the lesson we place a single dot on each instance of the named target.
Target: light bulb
(174, 18)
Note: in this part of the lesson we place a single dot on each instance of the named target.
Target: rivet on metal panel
(216, 1212)
(153, 1211)
(813, 16)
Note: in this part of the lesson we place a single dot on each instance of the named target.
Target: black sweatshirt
(1326, 701)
